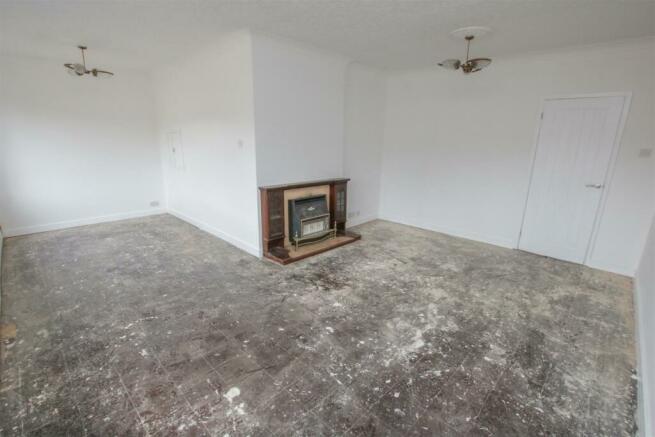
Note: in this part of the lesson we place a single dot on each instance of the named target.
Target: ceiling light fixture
(81, 70)
(469, 65)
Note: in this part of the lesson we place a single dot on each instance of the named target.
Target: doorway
(574, 151)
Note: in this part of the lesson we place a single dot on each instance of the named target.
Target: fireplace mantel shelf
(274, 205)
(294, 185)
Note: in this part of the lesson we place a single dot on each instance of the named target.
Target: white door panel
(574, 149)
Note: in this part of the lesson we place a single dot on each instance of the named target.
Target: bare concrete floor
(152, 327)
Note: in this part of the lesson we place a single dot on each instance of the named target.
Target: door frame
(609, 173)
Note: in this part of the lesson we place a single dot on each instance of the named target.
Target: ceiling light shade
(450, 64)
(468, 66)
(481, 63)
(477, 64)
(78, 69)
(101, 74)
(75, 69)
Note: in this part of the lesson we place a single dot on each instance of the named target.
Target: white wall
(299, 111)
(208, 98)
(74, 150)
(1, 245)
(645, 300)
(364, 127)
(457, 149)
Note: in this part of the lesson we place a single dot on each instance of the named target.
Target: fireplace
(309, 220)
(297, 214)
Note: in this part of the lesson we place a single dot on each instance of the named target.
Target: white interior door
(573, 154)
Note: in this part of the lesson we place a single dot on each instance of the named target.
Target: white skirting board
(81, 222)
(497, 241)
(460, 233)
(234, 241)
(360, 220)
(615, 268)
(253, 250)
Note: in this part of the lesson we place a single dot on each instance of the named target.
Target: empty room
(327, 218)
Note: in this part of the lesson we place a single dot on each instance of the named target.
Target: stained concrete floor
(152, 327)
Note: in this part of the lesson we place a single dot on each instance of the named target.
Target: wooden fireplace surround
(273, 214)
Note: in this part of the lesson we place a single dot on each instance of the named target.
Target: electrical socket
(154, 203)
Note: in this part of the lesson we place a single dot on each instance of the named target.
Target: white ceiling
(391, 34)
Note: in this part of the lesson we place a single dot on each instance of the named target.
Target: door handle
(597, 186)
